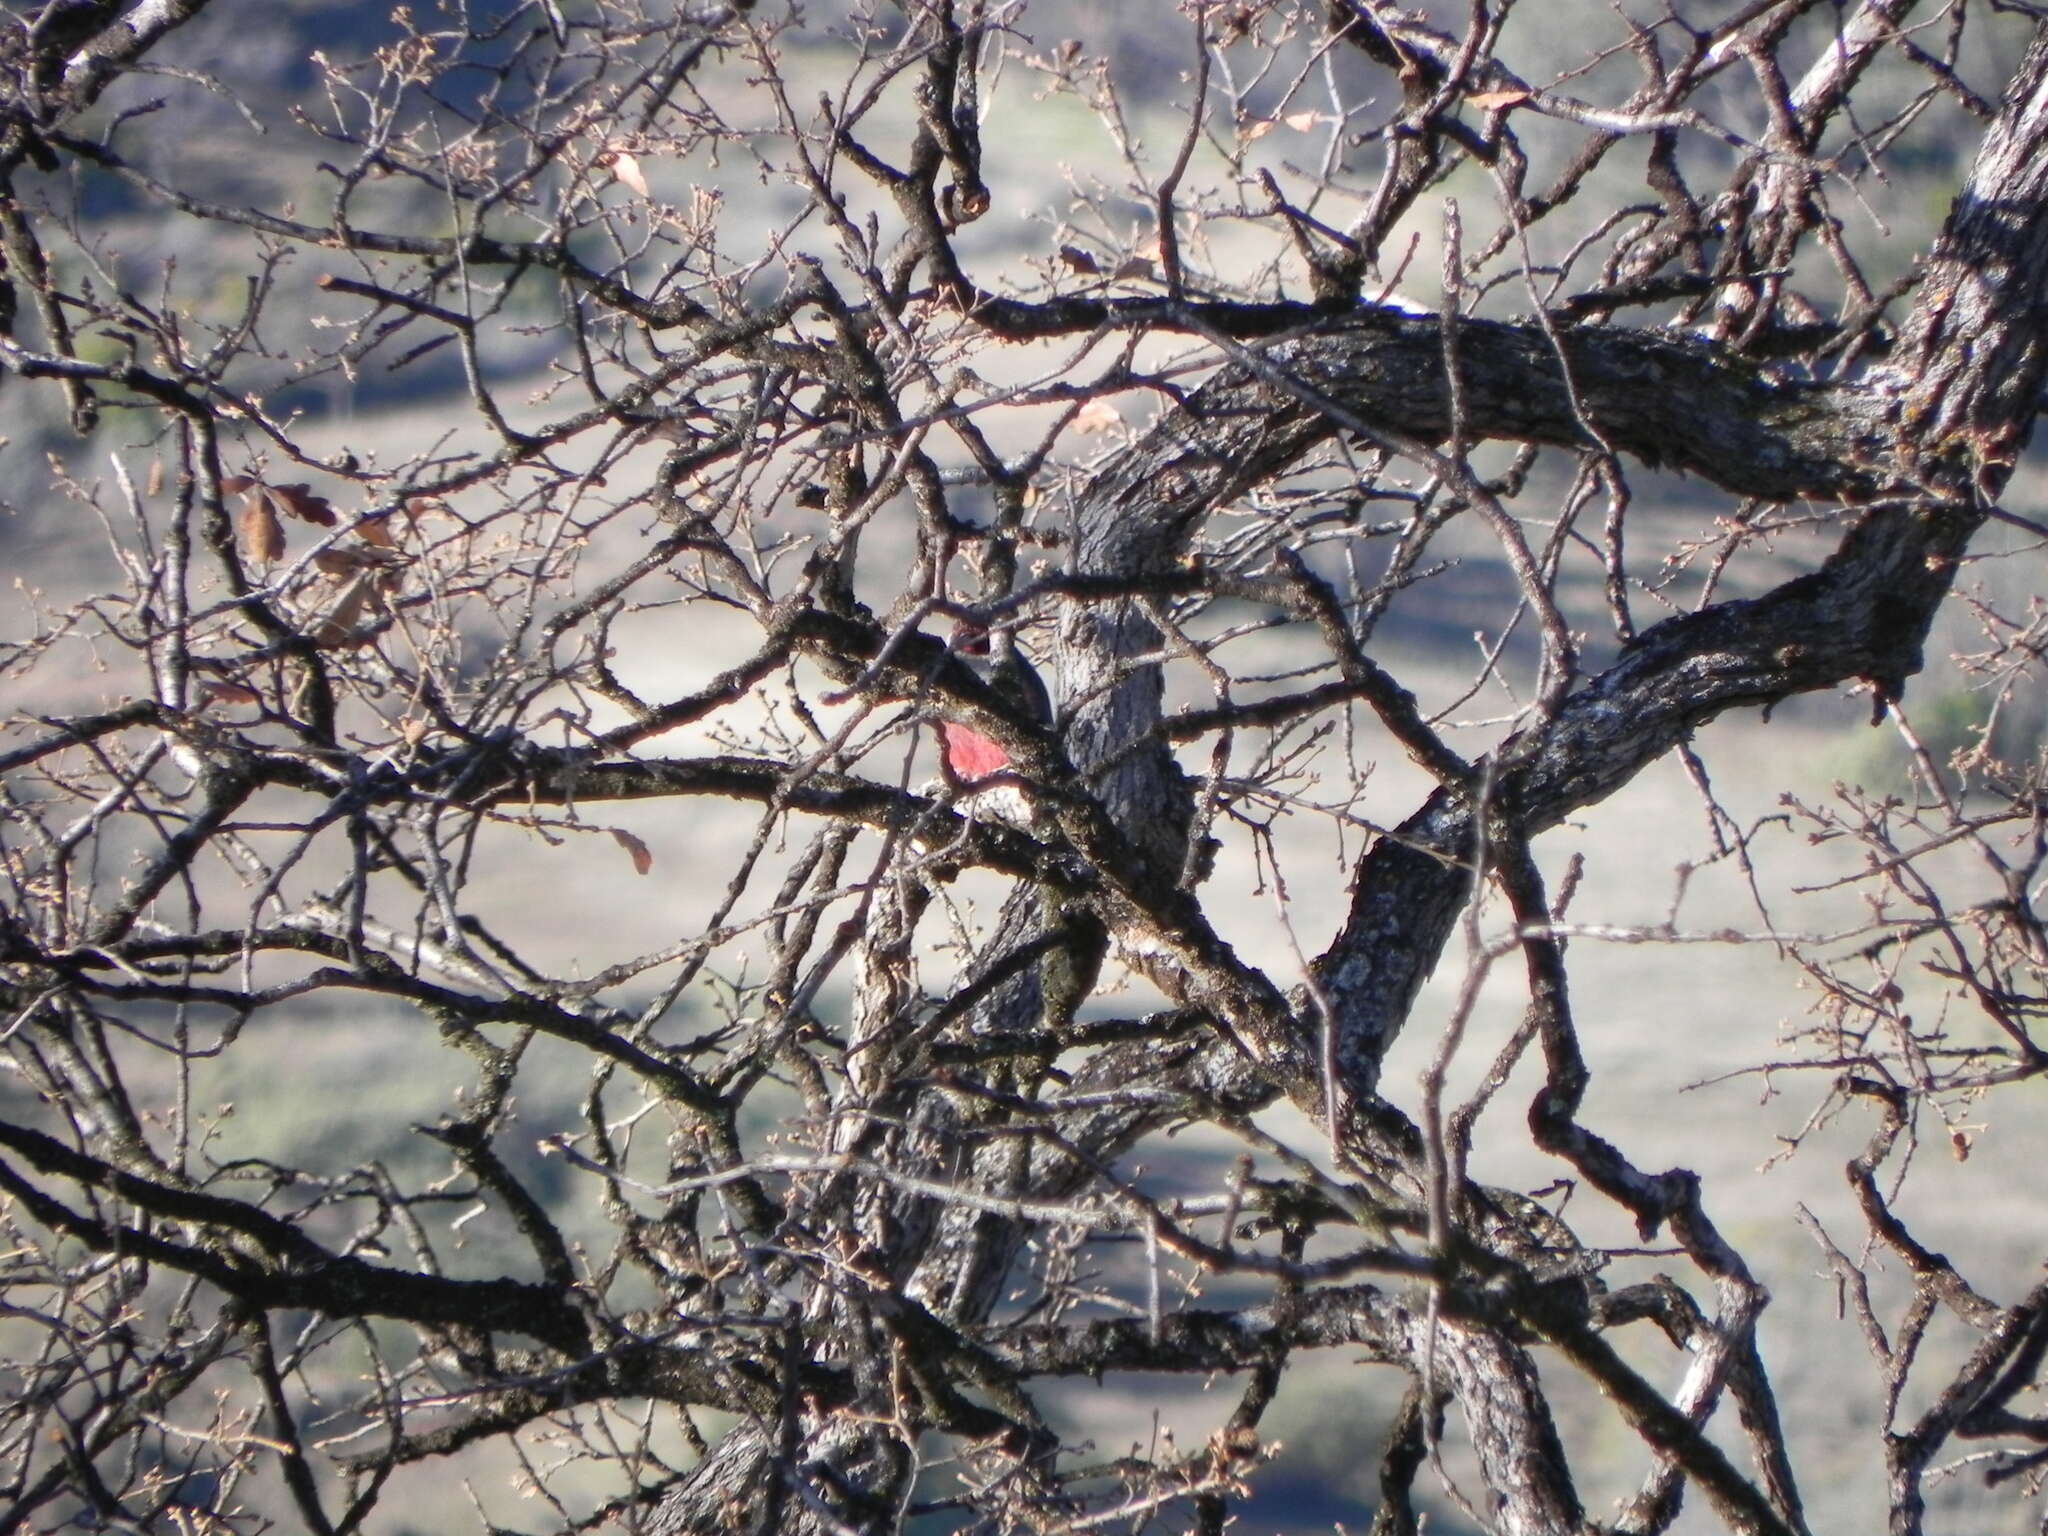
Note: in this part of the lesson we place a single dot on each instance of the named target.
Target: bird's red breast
(971, 756)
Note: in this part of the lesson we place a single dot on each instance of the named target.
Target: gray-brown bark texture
(791, 1136)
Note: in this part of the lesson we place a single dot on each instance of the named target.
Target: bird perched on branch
(971, 759)
(1070, 936)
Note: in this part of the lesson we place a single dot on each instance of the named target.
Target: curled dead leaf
(338, 562)
(1078, 260)
(419, 508)
(1497, 101)
(262, 535)
(227, 693)
(643, 859)
(338, 627)
(300, 501)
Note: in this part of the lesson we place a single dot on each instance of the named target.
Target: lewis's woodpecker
(971, 758)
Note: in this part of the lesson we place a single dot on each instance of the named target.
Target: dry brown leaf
(643, 859)
(338, 562)
(377, 531)
(418, 508)
(154, 485)
(1301, 122)
(261, 533)
(1494, 101)
(300, 501)
(1078, 260)
(227, 693)
(1257, 129)
(338, 628)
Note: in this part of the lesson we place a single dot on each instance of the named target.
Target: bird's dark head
(970, 638)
